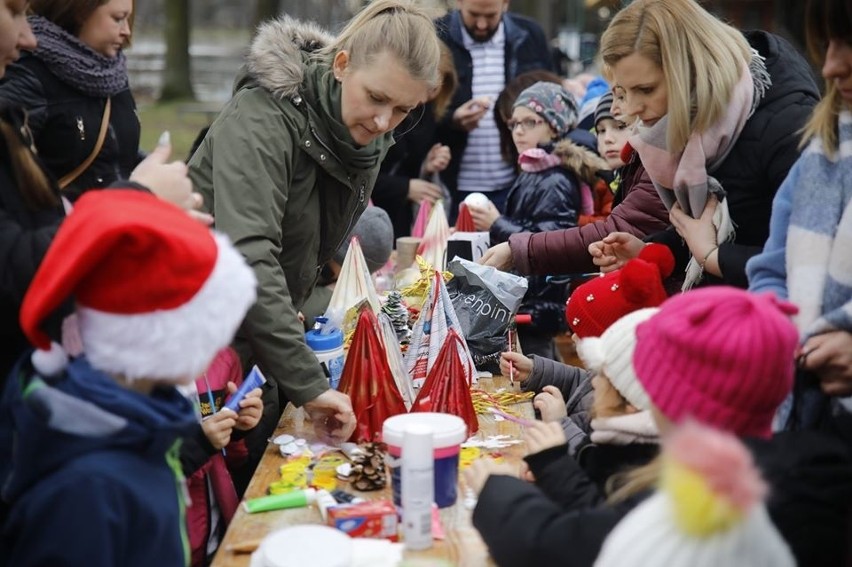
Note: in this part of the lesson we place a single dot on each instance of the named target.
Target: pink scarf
(682, 177)
(625, 429)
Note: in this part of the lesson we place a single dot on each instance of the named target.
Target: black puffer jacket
(563, 520)
(25, 234)
(538, 202)
(65, 124)
(761, 158)
(545, 201)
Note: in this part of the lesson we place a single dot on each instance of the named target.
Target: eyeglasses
(526, 124)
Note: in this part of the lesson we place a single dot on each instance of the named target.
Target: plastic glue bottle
(417, 486)
(326, 343)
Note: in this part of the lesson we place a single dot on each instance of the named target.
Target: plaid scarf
(683, 177)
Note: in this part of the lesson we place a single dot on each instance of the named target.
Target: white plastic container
(328, 349)
(448, 433)
(318, 546)
(418, 490)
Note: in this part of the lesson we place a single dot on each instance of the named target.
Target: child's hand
(615, 250)
(251, 408)
(550, 404)
(483, 217)
(542, 436)
(525, 473)
(477, 474)
(218, 427)
(523, 365)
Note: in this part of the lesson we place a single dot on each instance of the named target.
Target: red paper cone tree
(368, 380)
(446, 389)
(464, 222)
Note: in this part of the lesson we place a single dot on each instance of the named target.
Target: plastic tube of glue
(295, 499)
(255, 379)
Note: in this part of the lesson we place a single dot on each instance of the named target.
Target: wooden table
(462, 545)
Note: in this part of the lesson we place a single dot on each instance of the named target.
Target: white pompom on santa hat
(157, 294)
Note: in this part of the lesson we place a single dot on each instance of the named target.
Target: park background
(186, 53)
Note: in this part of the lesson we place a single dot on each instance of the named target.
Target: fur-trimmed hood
(275, 59)
(582, 161)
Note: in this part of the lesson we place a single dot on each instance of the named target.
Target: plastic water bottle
(328, 348)
(417, 486)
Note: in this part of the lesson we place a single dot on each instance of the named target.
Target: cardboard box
(468, 245)
(374, 519)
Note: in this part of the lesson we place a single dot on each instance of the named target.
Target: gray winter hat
(375, 233)
(551, 102)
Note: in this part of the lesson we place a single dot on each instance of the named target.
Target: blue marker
(255, 379)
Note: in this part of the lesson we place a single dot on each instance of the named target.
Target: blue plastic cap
(330, 341)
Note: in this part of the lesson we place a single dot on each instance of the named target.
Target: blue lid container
(319, 342)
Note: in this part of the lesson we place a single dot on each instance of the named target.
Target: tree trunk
(265, 10)
(176, 73)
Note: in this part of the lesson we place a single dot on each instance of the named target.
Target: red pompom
(660, 255)
(639, 281)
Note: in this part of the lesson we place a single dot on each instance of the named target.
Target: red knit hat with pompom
(603, 300)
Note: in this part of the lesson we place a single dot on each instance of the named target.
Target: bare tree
(176, 73)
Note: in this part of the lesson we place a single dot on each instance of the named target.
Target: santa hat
(603, 300)
(708, 511)
(157, 294)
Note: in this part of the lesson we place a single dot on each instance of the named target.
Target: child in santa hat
(564, 392)
(93, 475)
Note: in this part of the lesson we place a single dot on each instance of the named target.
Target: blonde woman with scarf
(718, 113)
(806, 258)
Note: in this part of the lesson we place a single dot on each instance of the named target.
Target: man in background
(490, 47)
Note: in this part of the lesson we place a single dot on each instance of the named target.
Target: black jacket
(25, 234)
(57, 111)
(548, 200)
(564, 521)
(526, 50)
(401, 165)
(761, 157)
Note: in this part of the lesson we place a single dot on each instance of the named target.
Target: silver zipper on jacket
(81, 128)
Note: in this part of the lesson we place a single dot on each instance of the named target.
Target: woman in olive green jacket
(288, 166)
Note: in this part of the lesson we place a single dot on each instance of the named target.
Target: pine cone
(368, 468)
(395, 309)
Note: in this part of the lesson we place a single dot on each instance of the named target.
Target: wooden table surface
(462, 545)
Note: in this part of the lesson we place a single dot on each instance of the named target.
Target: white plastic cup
(406, 251)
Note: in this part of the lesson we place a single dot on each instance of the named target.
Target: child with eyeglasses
(550, 193)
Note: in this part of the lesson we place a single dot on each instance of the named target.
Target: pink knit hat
(721, 355)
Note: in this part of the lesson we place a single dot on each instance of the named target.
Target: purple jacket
(639, 211)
